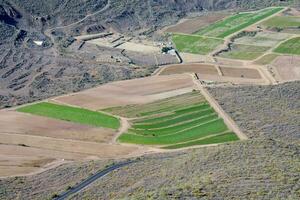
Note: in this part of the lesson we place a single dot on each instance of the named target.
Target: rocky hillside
(30, 72)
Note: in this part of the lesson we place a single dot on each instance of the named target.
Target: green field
(226, 137)
(195, 44)
(244, 52)
(72, 114)
(182, 119)
(160, 107)
(236, 23)
(291, 46)
(282, 22)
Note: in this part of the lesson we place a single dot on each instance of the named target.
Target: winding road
(92, 179)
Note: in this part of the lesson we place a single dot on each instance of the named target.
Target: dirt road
(227, 120)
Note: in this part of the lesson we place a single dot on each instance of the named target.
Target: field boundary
(214, 104)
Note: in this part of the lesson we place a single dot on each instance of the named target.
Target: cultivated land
(189, 68)
(291, 46)
(172, 123)
(286, 68)
(137, 91)
(77, 115)
(244, 52)
(236, 23)
(266, 59)
(189, 26)
(36, 143)
(164, 111)
(216, 73)
(195, 44)
(282, 23)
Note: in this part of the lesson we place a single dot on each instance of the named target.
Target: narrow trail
(124, 126)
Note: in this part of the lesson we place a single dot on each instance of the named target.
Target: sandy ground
(287, 68)
(189, 68)
(137, 91)
(189, 26)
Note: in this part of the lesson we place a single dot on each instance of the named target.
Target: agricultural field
(35, 143)
(286, 68)
(196, 44)
(236, 23)
(288, 24)
(190, 26)
(190, 68)
(243, 52)
(67, 113)
(127, 92)
(246, 73)
(264, 39)
(266, 59)
(171, 122)
(291, 46)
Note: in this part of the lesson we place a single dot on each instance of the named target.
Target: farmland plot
(195, 44)
(236, 23)
(172, 121)
(244, 52)
(291, 46)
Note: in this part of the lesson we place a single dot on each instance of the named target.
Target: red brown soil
(190, 68)
(190, 26)
(240, 73)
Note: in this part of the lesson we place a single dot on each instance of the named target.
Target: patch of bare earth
(31, 143)
(240, 72)
(190, 68)
(192, 25)
(137, 91)
(286, 68)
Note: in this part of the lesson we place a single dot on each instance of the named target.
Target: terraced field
(175, 123)
(236, 23)
(289, 24)
(67, 113)
(195, 44)
(244, 52)
(291, 46)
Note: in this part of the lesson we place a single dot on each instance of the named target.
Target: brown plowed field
(234, 80)
(42, 126)
(135, 91)
(190, 68)
(192, 25)
(28, 143)
(240, 73)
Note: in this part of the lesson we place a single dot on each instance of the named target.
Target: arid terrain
(113, 99)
